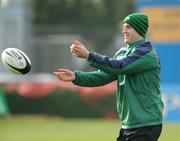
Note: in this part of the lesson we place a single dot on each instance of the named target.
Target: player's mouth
(126, 36)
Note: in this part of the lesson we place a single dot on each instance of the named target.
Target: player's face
(130, 35)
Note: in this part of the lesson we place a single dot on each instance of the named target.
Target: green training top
(137, 71)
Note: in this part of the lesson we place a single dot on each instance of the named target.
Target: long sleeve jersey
(137, 71)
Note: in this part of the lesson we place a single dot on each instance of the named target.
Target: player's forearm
(92, 79)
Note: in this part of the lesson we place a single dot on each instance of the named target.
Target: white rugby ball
(16, 61)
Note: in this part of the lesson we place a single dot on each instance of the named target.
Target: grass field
(32, 128)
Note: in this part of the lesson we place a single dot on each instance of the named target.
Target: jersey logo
(123, 81)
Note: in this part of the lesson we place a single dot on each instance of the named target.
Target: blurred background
(37, 106)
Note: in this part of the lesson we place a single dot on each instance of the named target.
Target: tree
(81, 12)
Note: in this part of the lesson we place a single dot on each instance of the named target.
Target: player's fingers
(75, 49)
(74, 54)
(75, 46)
(71, 47)
(77, 42)
(57, 75)
(62, 70)
(61, 75)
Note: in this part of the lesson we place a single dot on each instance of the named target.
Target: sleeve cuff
(76, 79)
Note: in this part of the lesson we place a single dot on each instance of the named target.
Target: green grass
(32, 128)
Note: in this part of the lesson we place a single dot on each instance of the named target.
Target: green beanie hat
(139, 22)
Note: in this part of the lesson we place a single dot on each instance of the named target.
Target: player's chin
(126, 40)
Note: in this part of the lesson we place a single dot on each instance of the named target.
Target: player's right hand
(65, 75)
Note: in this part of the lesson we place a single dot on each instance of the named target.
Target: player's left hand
(79, 50)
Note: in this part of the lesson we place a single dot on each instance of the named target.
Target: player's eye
(128, 27)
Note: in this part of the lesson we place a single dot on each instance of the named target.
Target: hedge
(63, 103)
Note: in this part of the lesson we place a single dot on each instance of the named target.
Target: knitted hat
(139, 22)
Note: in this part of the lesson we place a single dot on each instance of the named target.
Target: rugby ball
(16, 61)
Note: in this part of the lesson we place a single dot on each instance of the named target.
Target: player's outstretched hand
(65, 75)
(79, 50)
